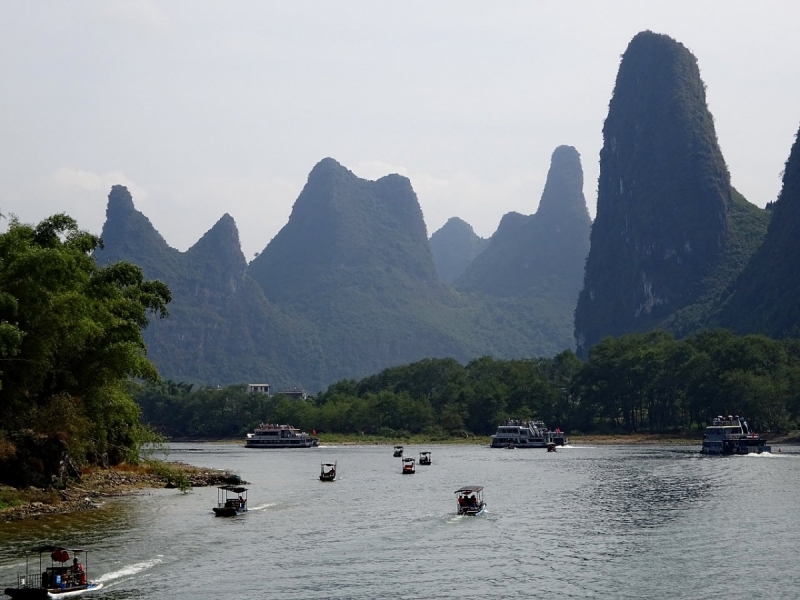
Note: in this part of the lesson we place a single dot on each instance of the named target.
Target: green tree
(71, 337)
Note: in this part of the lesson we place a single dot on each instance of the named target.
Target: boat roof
(51, 548)
(408, 459)
(233, 488)
(398, 446)
(424, 452)
(328, 464)
(469, 489)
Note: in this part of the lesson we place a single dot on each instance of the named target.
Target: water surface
(584, 522)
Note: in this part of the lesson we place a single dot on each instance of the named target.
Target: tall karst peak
(129, 235)
(534, 263)
(120, 199)
(563, 190)
(454, 246)
(663, 195)
(342, 227)
(220, 246)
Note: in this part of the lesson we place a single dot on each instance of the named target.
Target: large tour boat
(516, 433)
(269, 435)
(732, 435)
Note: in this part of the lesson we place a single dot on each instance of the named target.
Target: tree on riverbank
(642, 382)
(70, 340)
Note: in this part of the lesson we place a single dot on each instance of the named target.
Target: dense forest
(642, 382)
(70, 340)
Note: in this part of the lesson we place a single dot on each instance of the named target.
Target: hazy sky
(203, 108)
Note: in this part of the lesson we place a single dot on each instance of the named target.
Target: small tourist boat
(732, 435)
(409, 466)
(231, 501)
(398, 451)
(424, 458)
(61, 579)
(470, 500)
(327, 471)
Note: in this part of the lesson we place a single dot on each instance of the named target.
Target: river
(584, 522)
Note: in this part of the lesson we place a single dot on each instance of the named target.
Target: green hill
(537, 260)
(764, 299)
(453, 247)
(221, 328)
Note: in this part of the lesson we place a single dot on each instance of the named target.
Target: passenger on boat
(461, 501)
(473, 502)
(241, 502)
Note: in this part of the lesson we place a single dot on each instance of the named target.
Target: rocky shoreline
(90, 491)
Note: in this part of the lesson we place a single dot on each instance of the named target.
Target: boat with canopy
(231, 501)
(470, 500)
(424, 458)
(59, 580)
(398, 451)
(409, 466)
(327, 471)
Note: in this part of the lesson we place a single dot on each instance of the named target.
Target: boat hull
(473, 512)
(731, 447)
(305, 443)
(42, 593)
(226, 511)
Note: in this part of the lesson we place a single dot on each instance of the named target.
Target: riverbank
(97, 485)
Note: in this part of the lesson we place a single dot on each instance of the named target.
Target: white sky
(203, 108)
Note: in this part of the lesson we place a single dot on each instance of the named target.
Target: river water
(584, 522)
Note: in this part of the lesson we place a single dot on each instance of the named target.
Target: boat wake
(130, 570)
(263, 506)
(763, 454)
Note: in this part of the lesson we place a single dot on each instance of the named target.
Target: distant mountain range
(351, 284)
(346, 288)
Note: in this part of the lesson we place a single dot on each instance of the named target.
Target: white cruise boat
(516, 433)
(270, 435)
(731, 435)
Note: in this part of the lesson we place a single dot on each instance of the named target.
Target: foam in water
(130, 569)
(263, 506)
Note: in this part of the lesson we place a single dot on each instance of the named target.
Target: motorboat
(398, 451)
(327, 471)
(470, 500)
(520, 433)
(732, 435)
(271, 435)
(231, 501)
(424, 458)
(61, 579)
(409, 466)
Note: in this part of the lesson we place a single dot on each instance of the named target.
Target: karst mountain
(454, 247)
(670, 232)
(346, 288)
(764, 299)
